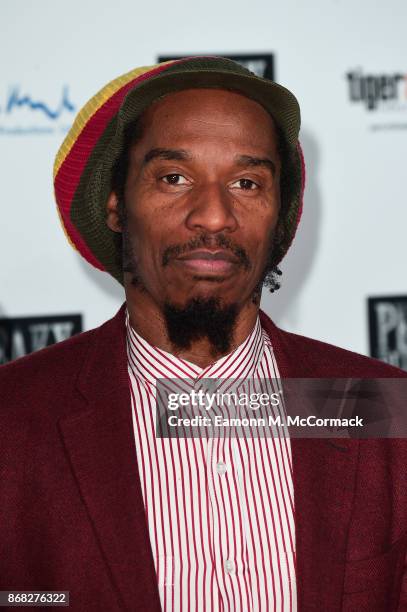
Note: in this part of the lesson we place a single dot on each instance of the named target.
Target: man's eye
(245, 184)
(174, 179)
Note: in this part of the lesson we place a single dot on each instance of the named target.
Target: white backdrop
(352, 241)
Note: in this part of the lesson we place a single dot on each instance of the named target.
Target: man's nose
(211, 209)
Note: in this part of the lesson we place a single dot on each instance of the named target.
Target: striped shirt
(220, 511)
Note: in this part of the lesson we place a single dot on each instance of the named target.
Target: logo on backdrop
(380, 93)
(22, 335)
(388, 329)
(262, 64)
(23, 112)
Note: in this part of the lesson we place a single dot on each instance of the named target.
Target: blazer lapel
(324, 472)
(100, 443)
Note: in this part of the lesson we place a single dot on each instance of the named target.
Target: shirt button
(229, 566)
(221, 467)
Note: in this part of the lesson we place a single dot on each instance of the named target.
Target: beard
(201, 317)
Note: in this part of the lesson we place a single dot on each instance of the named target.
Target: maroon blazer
(72, 514)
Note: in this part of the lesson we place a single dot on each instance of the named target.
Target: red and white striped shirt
(220, 511)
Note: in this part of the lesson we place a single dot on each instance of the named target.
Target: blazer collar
(324, 472)
(100, 443)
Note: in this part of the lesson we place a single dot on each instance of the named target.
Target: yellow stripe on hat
(73, 245)
(92, 106)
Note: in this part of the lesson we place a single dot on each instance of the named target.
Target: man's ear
(113, 219)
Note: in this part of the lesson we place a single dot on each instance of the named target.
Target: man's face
(202, 197)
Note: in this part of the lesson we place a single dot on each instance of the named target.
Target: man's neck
(148, 320)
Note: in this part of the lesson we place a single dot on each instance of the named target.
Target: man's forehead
(199, 100)
(203, 111)
(205, 123)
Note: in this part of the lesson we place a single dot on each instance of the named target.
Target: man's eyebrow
(249, 160)
(182, 155)
(175, 154)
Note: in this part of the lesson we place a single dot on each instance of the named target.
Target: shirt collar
(149, 362)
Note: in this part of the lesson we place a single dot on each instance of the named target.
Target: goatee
(201, 318)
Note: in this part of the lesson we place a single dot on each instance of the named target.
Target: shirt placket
(227, 535)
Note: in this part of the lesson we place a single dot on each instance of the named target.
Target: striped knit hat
(84, 163)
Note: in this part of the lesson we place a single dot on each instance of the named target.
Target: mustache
(209, 241)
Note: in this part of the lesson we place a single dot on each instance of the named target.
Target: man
(184, 181)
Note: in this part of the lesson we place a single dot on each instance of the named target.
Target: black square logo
(262, 64)
(388, 329)
(22, 335)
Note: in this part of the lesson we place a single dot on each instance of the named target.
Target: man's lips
(209, 262)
